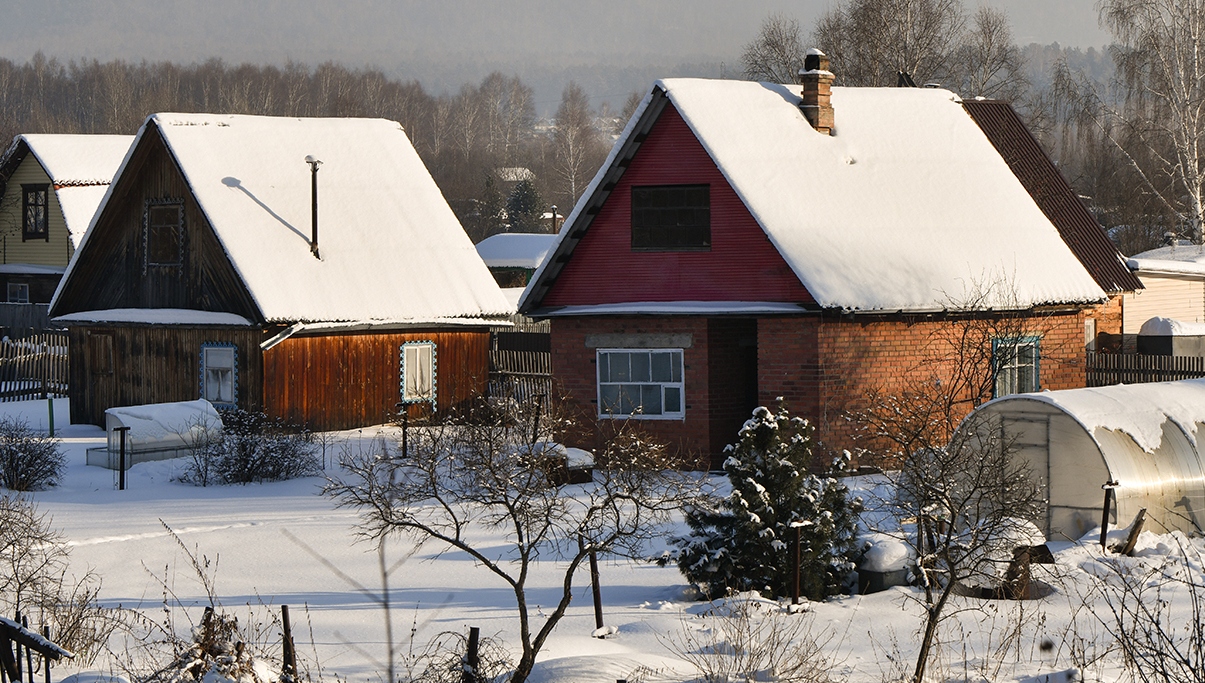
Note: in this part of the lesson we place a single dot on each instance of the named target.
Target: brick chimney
(817, 82)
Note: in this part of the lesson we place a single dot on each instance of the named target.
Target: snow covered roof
(391, 248)
(515, 250)
(908, 206)
(1182, 258)
(1165, 327)
(81, 168)
(30, 269)
(154, 316)
(1138, 410)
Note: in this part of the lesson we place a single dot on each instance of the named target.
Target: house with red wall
(749, 241)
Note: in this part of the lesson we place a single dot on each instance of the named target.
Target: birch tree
(1153, 112)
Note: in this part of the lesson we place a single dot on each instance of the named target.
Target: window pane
(629, 395)
(676, 366)
(604, 365)
(620, 370)
(640, 367)
(219, 374)
(650, 399)
(673, 400)
(671, 217)
(660, 368)
(608, 399)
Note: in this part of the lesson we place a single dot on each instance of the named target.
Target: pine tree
(745, 541)
(524, 207)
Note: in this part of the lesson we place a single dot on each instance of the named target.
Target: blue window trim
(434, 372)
(1037, 359)
(201, 373)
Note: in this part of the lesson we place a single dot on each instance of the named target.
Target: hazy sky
(446, 42)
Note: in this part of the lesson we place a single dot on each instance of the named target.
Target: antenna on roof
(314, 163)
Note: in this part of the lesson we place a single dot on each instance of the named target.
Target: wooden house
(50, 187)
(750, 241)
(1173, 279)
(309, 268)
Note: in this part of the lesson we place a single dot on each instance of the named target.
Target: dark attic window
(164, 234)
(34, 206)
(671, 218)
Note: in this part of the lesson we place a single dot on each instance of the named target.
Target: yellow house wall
(57, 251)
(1180, 297)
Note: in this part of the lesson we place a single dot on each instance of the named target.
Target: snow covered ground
(248, 532)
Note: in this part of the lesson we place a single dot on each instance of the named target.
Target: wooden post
(598, 620)
(17, 648)
(288, 652)
(1135, 529)
(795, 593)
(28, 653)
(46, 660)
(405, 431)
(472, 658)
(121, 460)
(1104, 515)
(50, 413)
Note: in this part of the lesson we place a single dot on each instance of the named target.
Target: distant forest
(499, 167)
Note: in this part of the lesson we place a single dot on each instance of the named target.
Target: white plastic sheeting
(1144, 437)
(157, 431)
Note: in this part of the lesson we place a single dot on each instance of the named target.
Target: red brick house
(746, 241)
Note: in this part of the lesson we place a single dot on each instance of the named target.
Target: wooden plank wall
(353, 380)
(155, 365)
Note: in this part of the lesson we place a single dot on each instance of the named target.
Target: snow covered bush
(745, 541)
(252, 448)
(34, 560)
(29, 460)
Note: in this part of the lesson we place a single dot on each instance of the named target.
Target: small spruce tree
(745, 541)
(524, 207)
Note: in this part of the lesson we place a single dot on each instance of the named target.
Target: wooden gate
(520, 365)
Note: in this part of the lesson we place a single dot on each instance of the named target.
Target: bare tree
(776, 54)
(501, 474)
(870, 41)
(966, 497)
(1154, 111)
(989, 64)
(578, 149)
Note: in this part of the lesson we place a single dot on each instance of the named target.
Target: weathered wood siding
(742, 264)
(111, 273)
(353, 380)
(56, 251)
(125, 366)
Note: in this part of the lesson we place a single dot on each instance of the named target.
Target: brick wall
(821, 366)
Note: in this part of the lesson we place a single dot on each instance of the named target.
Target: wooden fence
(20, 320)
(1132, 368)
(520, 365)
(33, 367)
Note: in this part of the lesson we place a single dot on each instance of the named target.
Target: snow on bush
(745, 541)
(251, 448)
(29, 461)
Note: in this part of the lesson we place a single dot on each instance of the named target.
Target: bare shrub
(34, 560)
(29, 460)
(251, 448)
(745, 638)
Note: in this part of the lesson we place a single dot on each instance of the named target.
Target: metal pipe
(314, 164)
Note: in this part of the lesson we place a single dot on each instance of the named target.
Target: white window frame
(604, 385)
(18, 293)
(1007, 369)
(215, 372)
(418, 357)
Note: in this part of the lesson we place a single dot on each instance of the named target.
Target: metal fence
(33, 367)
(1105, 369)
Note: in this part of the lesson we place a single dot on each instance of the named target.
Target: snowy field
(248, 532)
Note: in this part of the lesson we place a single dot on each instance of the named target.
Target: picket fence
(33, 367)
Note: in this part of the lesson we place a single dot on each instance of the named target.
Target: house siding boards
(116, 249)
(352, 380)
(148, 364)
(1168, 295)
(53, 252)
(742, 264)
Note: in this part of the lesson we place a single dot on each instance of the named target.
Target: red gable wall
(742, 264)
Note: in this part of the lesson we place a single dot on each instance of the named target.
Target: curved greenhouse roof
(1145, 437)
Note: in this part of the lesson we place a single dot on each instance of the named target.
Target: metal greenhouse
(1141, 439)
